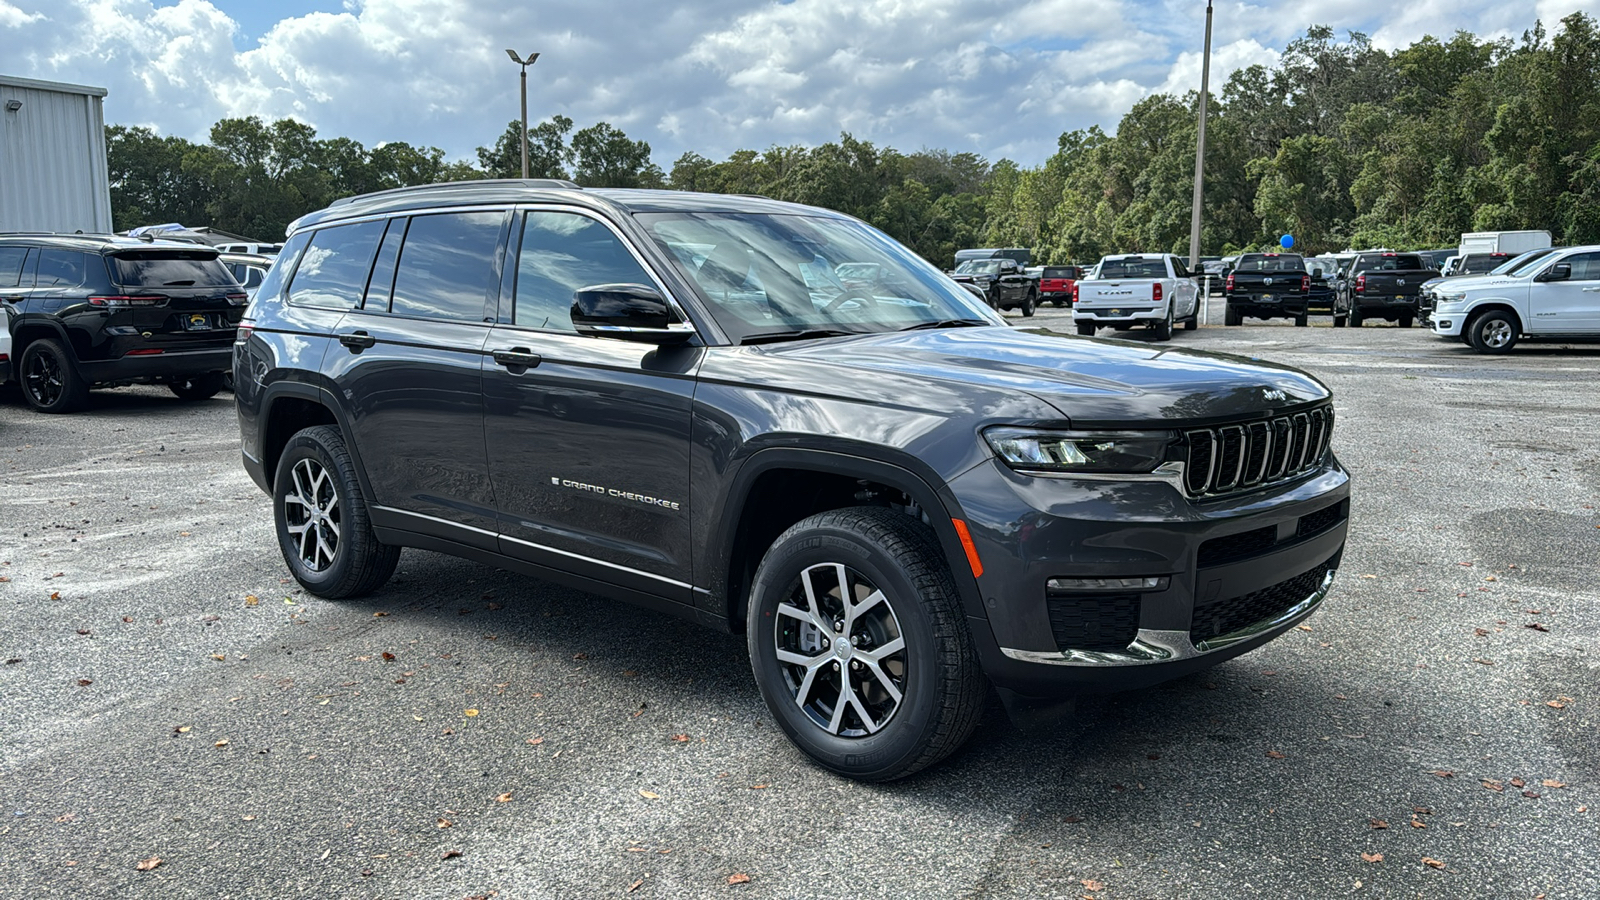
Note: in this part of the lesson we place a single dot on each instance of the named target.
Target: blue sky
(1002, 79)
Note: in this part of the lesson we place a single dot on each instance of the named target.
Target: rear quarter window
(169, 268)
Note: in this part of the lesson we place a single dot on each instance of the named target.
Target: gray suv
(695, 403)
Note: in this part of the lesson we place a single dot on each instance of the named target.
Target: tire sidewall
(912, 725)
(310, 445)
(68, 374)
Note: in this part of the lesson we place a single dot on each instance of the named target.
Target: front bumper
(1447, 322)
(1237, 573)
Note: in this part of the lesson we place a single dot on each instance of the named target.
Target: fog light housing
(1444, 323)
(1107, 585)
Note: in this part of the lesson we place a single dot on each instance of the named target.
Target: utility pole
(534, 57)
(1200, 149)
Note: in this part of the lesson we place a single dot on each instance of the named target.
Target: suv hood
(1091, 382)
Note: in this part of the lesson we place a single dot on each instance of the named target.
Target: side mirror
(629, 312)
(1557, 272)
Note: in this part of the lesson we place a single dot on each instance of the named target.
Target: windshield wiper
(947, 323)
(767, 337)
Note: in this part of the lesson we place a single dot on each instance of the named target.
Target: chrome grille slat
(1233, 458)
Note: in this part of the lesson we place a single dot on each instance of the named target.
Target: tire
(1355, 317)
(1058, 303)
(1163, 329)
(227, 381)
(198, 387)
(316, 472)
(1085, 329)
(1232, 316)
(1496, 331)
(1028, 304)
(1339, 321)
(871, 735)
(1193, 322)
(1302, 320)
(994, 301)
(50, 381)
(1407, 321)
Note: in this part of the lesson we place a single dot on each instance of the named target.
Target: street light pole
(1200, 149)
(525, 63)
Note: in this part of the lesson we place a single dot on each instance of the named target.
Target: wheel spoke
(795, 612)
(873, 599)
(861, 710)
(876, 655)
(811, 597)
(847, 694)
(800, 659)
(802, 694)
(883, 679)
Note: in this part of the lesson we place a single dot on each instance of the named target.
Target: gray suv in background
(694, 403)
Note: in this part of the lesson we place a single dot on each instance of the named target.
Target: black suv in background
(674, 399)
(97, 310)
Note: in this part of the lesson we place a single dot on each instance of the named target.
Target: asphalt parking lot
(167, 694)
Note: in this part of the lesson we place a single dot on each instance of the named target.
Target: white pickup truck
(1554, 296)
(1151, 289)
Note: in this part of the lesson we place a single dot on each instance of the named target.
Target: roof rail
(446, 186)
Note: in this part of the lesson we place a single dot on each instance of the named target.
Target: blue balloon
(1286, 241)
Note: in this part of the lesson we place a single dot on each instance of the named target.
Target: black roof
(93, 243)
(517, 190)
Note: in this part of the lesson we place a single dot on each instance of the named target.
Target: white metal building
(52, 157)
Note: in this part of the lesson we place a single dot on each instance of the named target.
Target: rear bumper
(1385, 305)
(159, 367)
(1126, 314)
(1253, 307)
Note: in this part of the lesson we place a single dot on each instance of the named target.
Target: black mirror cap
(630, 312)
(1557, 272)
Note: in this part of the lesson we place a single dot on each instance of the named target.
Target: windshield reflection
(777, 276)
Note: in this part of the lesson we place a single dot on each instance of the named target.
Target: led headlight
(1453, 297)
(1124, 452)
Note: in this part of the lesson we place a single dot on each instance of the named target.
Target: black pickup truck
(1268, 286)
(1385, 286)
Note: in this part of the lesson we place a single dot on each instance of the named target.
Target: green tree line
(1341, 144)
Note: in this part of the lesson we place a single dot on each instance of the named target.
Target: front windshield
(770, 275)
(979, 267)
(1523, 263)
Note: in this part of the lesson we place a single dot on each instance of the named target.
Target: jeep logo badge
(1274, 394)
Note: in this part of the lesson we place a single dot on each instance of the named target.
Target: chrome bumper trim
(1152, 646)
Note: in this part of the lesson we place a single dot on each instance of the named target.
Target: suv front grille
(1233, 458)
(1106, 622)
(1221, 617)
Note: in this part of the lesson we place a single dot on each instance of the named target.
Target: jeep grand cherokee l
(671, 399)
(98, 310)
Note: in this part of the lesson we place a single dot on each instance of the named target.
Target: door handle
(517, 358)
(357, 341)
(1593, 290)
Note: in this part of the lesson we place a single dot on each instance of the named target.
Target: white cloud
(991, 76)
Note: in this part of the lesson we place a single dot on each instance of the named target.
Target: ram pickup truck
(1385, 286)
(1268, 286)
(1428, 298)
(1548, 295)
(1153, 289)
(1003, 283)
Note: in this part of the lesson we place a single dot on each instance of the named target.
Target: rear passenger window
(562, 252)
(447, 266)
(333, 272)
(11, 265)
(60, 268)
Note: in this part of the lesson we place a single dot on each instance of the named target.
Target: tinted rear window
(170, 268)
(1271, 264)
(1397, 262)
(1059, 272)
(1138, 268)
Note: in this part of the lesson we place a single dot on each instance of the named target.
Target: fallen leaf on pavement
(379, 614)
(1433, 862)
(443, 822)
(680, 738)
(1089, 884)
(536, 741)
(85, 682)
(56, 595)
(1536, 626)
(1378, 823)
(1552, 783)
(738, 878)
(146, 865)
(1273, 754)
(1372, 857)
(388, 657)
(451, 854)
(503, 798)
(1531, 795)
(251, 600)
(1444, 773)
(1518, 783)
(470, 713)
(1418, 823)
(1555, 704)
(1493, 785)
(758, 787)
(635, 886)
(221, 743)
(649, 795)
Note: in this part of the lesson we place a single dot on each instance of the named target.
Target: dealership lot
(167, 693)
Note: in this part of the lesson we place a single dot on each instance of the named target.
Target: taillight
(1361, 284)
(1305, 283)
(1230, 283)
(238, 298)
(147, 351)
(123, 302)
(1155, 292)
(242, 334)
(1074, 292)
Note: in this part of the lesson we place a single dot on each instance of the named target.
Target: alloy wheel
(842, 650)
(1496, 334)
(44, 378)
(312, 515)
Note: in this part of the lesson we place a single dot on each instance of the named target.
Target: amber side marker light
(967, 545)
